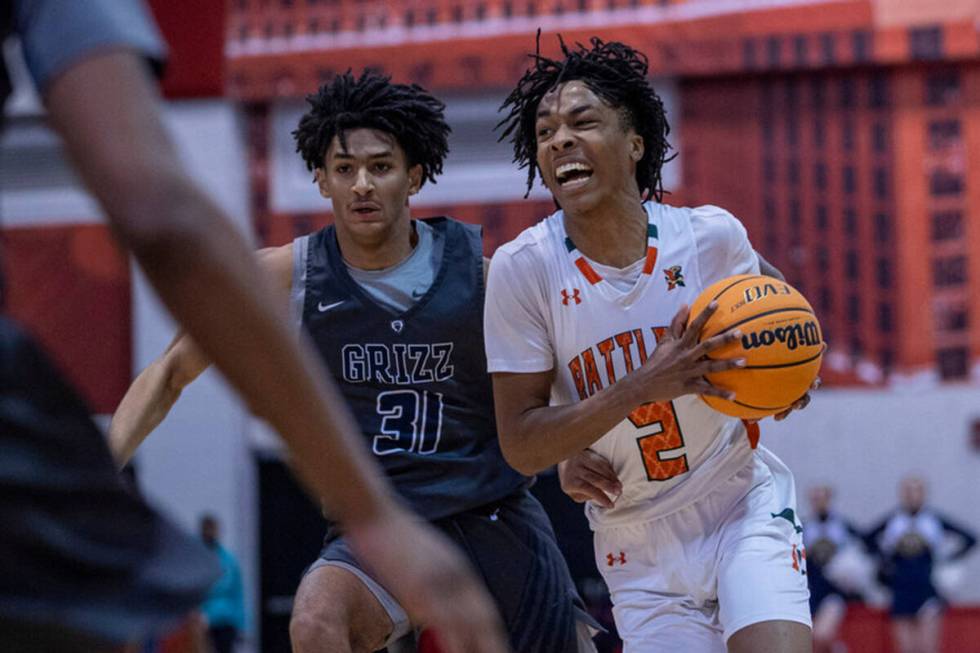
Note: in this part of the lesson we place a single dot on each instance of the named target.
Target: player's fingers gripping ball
(781, 342)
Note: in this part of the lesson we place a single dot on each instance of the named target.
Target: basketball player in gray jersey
(394, 306)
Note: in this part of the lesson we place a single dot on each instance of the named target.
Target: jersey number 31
(410, 421)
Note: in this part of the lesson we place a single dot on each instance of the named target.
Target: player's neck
(613, 233)
(396, 245)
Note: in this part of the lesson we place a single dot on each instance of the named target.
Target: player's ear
(636, 147)
(414, 179)
(320, 177)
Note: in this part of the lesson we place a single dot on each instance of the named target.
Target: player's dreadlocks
(618, 75)
(407, 112)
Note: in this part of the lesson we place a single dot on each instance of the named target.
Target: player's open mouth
(572, 175)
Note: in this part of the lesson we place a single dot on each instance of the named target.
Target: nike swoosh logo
(417, 295)
(324, 309)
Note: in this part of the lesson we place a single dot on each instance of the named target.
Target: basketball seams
(772, 408)
(700, 304)
(786, 309)
(767, 410)
(783, 365)
(733, 284)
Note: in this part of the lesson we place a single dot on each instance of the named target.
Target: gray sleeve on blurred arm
(55, 34)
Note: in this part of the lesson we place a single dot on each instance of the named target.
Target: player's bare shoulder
(277, 264)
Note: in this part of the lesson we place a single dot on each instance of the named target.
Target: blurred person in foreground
(394, 306)
(909, 543)
(84, 564)
(827, 537)
(224, 606)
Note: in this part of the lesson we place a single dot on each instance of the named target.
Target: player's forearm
(545, 436)
(148, 400)
(151, 396)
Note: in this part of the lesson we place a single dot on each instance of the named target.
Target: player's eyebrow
(384, 154)
(582, 108)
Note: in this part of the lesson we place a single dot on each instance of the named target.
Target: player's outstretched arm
(535, 436)
(151, 396)
(156, 389)
(105, 109)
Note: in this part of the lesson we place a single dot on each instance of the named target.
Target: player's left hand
(587, 476)
(800, 403)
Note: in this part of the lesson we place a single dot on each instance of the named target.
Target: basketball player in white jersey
(586, 340)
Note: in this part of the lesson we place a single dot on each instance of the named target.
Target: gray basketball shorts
(512, 545)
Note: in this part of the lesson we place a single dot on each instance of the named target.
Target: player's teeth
(564, 170)
(568, 167)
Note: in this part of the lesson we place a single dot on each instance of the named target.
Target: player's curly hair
(618, 75)
(408, 112)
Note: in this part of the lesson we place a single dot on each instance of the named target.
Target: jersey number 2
(410, 421)
(662, 436)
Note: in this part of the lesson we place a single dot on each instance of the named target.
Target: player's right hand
(432, 581)
(678, 364)
(587, 476)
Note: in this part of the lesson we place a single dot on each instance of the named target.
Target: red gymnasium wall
(70, 286)
(857, 183)
(68, 283)
(847, 126)
(194, 30)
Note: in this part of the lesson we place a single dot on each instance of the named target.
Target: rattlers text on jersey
(548, 307)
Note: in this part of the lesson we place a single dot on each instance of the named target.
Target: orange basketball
(781, 342)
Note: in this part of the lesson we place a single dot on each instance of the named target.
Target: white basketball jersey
(548, 308)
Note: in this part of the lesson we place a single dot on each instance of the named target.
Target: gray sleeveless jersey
(416, 379)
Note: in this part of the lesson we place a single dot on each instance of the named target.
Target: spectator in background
(908, 543)
(825, 535)
(224, 607)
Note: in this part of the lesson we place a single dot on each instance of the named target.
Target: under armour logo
(611, 559)
(576, 296)
(397, 326)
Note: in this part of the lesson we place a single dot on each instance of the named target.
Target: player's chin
(367, 226)
(576, 200)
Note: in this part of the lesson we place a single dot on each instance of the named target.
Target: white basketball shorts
(689, 580)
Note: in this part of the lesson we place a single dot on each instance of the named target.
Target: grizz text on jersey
(398, 364)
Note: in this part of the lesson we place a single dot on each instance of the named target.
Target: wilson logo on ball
(792, 336)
